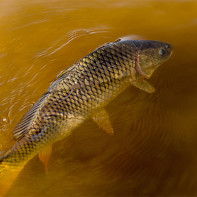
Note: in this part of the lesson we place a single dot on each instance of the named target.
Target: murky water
(154, 148)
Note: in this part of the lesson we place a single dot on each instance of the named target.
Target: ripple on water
(69, 37)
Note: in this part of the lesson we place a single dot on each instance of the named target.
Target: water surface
(153, 150)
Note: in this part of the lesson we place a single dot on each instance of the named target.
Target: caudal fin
(8, 174)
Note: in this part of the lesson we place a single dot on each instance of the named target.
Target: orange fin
(142, 84)
(45, 155)
(118, 40)
(101, 118)
(65, 71)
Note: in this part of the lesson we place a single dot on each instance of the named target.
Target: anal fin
(101, 118)
(45, 155)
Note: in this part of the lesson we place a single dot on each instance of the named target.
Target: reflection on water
(153, 150)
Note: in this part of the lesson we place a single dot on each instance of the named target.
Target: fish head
(150, 55)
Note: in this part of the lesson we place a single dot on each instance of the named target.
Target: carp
(82, 91)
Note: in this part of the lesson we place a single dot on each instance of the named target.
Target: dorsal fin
(22, 127)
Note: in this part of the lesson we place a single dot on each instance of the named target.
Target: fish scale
(81, 91)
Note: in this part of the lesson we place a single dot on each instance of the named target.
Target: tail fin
(8, 174)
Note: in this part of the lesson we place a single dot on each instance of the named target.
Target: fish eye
(162, 52)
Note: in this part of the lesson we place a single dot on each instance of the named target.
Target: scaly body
(82, 90)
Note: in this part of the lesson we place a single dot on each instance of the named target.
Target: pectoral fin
(143, 85)
(101, 118)
(45, 155)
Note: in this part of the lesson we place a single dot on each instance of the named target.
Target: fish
(83, 91)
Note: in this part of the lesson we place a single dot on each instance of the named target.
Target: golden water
(154, 148)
